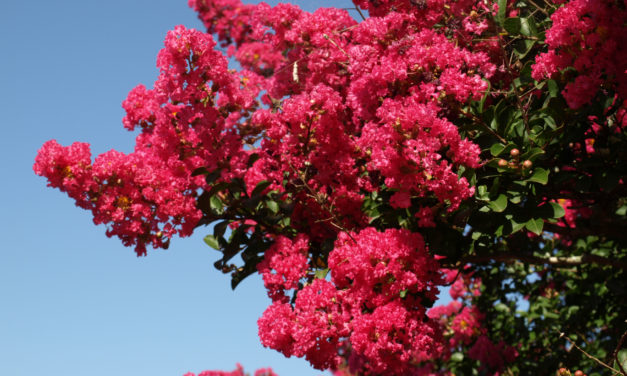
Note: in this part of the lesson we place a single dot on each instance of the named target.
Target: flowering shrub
(363, 165)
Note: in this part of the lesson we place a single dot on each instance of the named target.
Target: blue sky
(72, 301)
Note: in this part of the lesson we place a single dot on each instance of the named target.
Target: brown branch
(539, 8)
(535, 260)
(607, 230)
(336, 45)
(358, 11)
(484, 125)
(523, 109)
(585, 353)
(618, 347)
(322, 202)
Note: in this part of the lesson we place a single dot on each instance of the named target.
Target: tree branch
(618, 347)
(535, 260)
(608, 230)
(562, 335)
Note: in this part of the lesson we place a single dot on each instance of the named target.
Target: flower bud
(527, 164)
(502, 163)
(563, 372)
(514, 153)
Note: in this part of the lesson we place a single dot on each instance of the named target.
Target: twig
(585, 353)
(521, 107)
(484, 125)
(605, 230)
(336, 45)
(292, 63)
(535, 260)
(539, 8)
(618, 347)
(361, 14)
(313, 194)
(349, 28)
(459, 271)
(358, 10)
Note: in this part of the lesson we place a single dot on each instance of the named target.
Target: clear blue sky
(72, 301)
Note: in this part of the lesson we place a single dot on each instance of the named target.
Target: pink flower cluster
(187, 121)
(139, 196)
(462, 323)
(239, 371)
(492, 356)
(586, 35)
(335, 111)
(428, 12)
(380, 282)
(366, 104)
(346, 109)
(285, 263)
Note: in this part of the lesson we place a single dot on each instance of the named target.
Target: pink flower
(584, 35)
(284, 264)
(490, 355)
(400, 200)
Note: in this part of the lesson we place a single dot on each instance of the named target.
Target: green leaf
(252, 159)
(403, 294)
(539, 175)
(457, 357)
(532, 154)
(549, 314)
(273, 206)
(285, 222)
(622, 358)
(500, 17)
(485, 96)
(550, 210)
(553, 88)
(215, 188)
(523, 47)
(499, 204)
(216, 204)
(512, 25)
(528, 27)
(200, 171)
(516, 226)
(558, 210)
(322, 273)
(220, 229)
(212, 242)
(213, 176)
(252, 203)
(260, 187)
(535, 225)
(572, 310)
(482, 193)
(497, 149)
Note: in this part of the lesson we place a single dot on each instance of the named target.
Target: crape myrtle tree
(363, 160)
